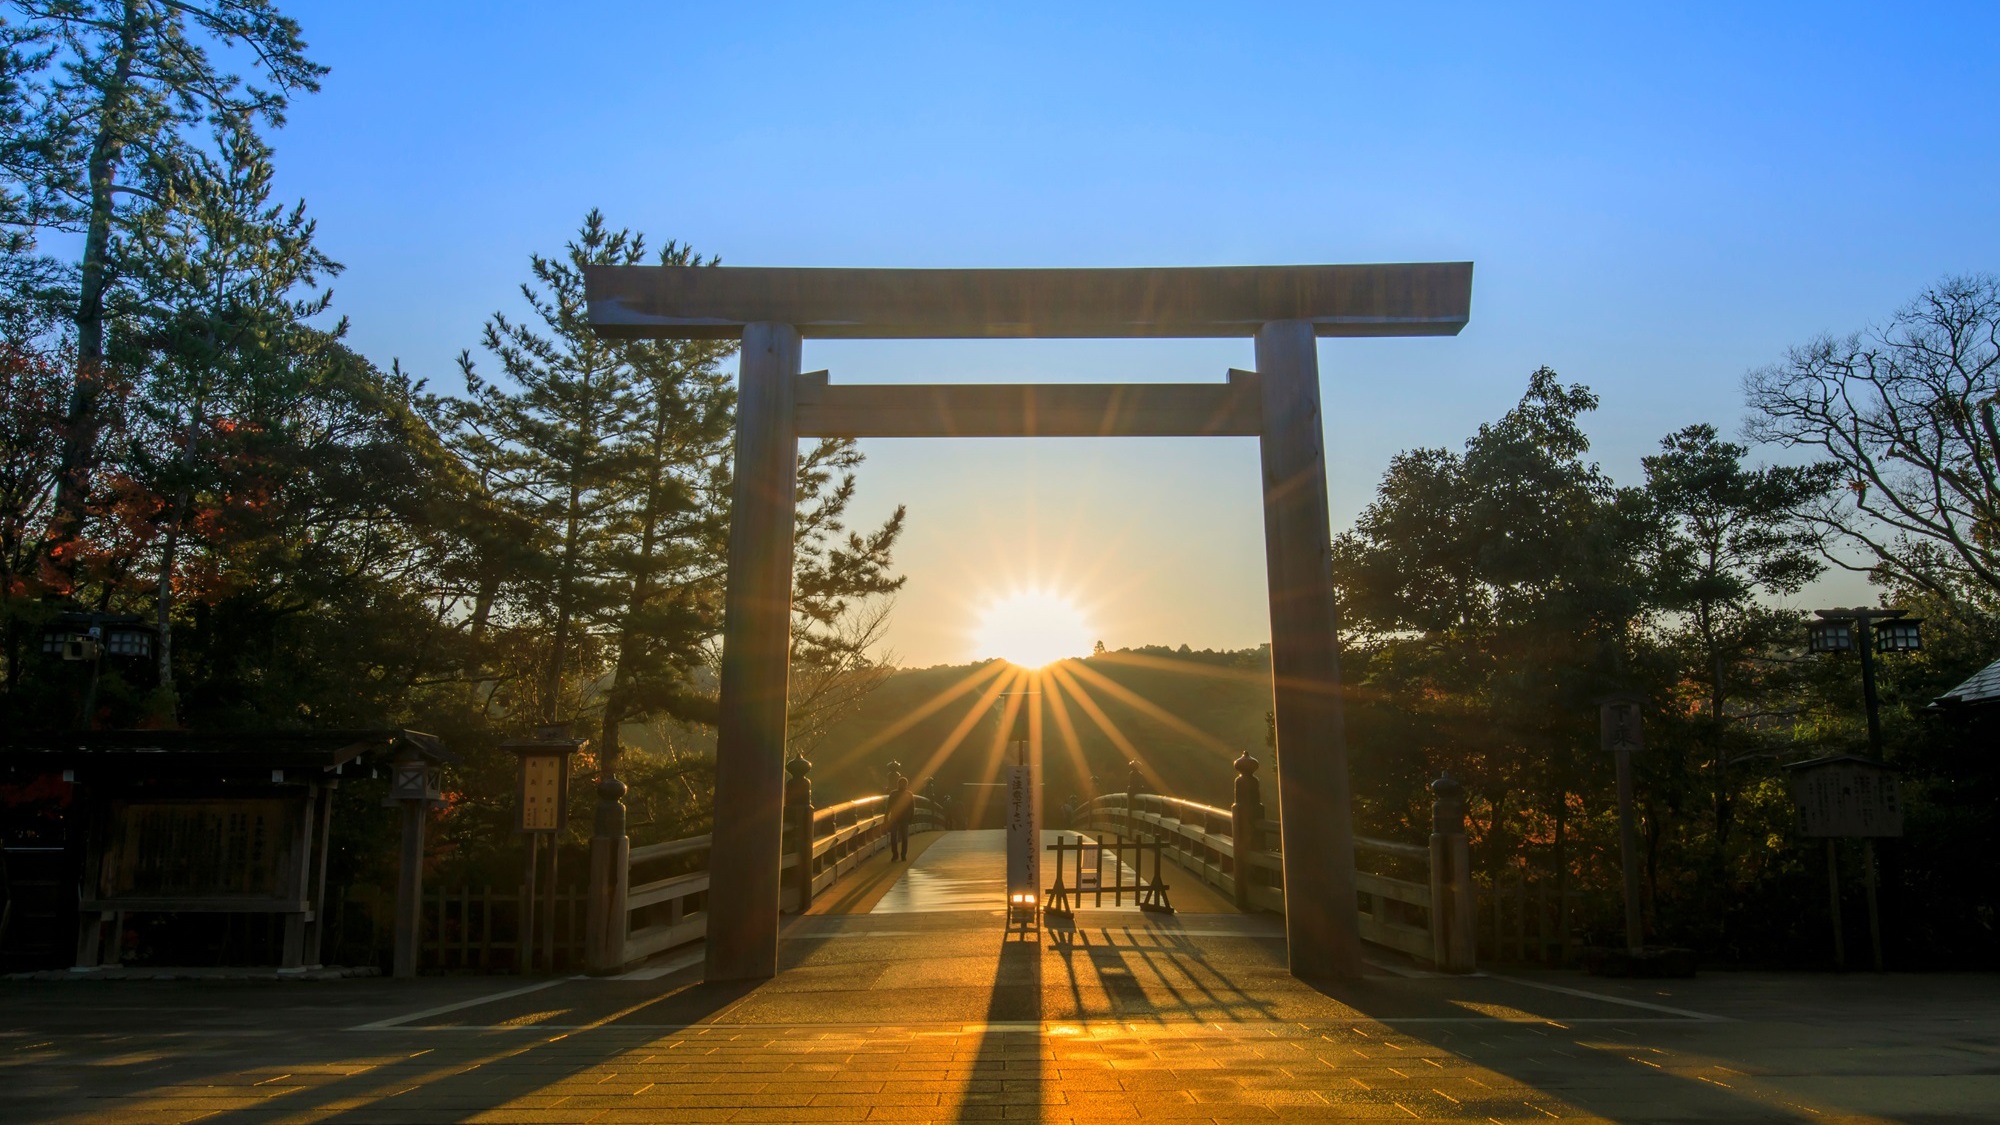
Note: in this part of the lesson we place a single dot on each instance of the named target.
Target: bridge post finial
(799, 825)
(606, 920)
(1447, 805)
(1454, 941)
(1245, 814)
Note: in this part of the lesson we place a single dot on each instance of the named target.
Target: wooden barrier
(665, 888)
(1520, 922)
(462, 929)
(1410, 897)
(670, 909)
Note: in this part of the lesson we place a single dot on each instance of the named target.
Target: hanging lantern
(1900, 635)
(1831, 635)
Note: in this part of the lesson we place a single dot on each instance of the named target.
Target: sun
(1031, 628)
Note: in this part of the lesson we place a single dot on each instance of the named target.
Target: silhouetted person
(901, 804)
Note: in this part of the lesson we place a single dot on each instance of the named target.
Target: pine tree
(223, 282)
(618, 455)
(1727, 536)
(673, 512)
(112, 90)
(551, 443)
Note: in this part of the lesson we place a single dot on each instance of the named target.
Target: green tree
(33, 390)
(1491, 596)
(112, 90)
(616, 454)
(1727, 540)
(551, 440)
(672, 510)
(841, 581)
(217, 333)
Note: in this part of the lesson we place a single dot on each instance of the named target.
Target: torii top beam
(715, 302)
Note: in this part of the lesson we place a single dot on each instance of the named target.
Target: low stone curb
(108, 973)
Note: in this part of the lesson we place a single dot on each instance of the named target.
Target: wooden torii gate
(1284, 307)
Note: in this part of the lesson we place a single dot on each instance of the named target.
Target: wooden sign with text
(544, 792)
(1847, 797)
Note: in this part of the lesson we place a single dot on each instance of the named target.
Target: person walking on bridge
(901, 804)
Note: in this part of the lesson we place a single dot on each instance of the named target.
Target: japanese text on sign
(542, 792)
(1024, 859)
(1847, 799)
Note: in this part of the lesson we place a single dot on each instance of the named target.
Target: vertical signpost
(1024, 829)
(542, 803)
(1844, 797)
(414, 786)
(1620, 733)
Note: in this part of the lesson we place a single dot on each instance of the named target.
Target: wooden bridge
(1421, 903)
(900, 996)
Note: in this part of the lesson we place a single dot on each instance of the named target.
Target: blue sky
(1656, 201)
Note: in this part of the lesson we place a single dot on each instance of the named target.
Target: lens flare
(1031, 628)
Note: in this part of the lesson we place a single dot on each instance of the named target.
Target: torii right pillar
(1322, 932)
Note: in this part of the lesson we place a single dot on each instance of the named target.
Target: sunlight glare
(1031, 628)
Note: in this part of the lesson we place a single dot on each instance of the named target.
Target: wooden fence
(478, 930)
(669, 909)
(464, 929)
(1398, 884)
(1519, 923)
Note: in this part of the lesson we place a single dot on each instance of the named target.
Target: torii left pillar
(756, 646)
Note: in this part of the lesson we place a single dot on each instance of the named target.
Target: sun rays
(1089, 717)
(1067, 697)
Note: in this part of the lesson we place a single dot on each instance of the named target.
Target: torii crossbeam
(1285, 308)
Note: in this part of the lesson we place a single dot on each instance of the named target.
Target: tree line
(187, 439)
(1492, 595)
(315, 541)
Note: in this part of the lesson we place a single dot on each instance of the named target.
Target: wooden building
(182, 822)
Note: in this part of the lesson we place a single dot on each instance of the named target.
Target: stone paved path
(935, 1017)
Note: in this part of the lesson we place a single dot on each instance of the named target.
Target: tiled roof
(1982, 686)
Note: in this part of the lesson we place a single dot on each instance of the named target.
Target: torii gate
(1284, 307)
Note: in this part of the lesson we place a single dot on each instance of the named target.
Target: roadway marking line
(394, 1022)
(1684, 1013)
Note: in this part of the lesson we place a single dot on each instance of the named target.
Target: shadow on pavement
(1006, 1069)
(1519, 1032)
(1144, 971)
(484, 1067)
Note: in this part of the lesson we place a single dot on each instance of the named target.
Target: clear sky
(1657, 198)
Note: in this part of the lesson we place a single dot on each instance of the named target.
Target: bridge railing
(1416, 898)
(1201, 838)
(652, 898)
(845, 835)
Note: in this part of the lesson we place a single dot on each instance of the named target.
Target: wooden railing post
(1454, 937)
(605, 916)
(1244, 814)
(799, 816)
(409, 926)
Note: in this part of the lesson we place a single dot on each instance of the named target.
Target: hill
(1183, 714)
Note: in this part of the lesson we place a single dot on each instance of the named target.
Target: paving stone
(931, 1017)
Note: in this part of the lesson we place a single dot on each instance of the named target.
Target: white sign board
(1024, 836)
